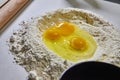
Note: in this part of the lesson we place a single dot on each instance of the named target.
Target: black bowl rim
(86, 62)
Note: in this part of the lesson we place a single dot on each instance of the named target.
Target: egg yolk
(65, 28)
(52, 34)
(78, 43)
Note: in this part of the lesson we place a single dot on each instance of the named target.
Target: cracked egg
(69, 41)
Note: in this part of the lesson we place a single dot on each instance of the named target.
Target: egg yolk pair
(65, 29)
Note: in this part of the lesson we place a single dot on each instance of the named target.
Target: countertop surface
(116, 1)
(10, 70)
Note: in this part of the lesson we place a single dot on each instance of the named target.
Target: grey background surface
(116, 1)
(12, 71)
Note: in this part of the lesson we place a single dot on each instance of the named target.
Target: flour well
(41, 63)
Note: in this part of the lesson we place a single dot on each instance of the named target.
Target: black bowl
(92, 70)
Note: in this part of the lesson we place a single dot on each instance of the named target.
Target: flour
(30, 52)
(41, 63)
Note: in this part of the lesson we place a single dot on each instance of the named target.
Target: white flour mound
(42, 64)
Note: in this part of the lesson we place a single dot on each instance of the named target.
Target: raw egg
(69, 41)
